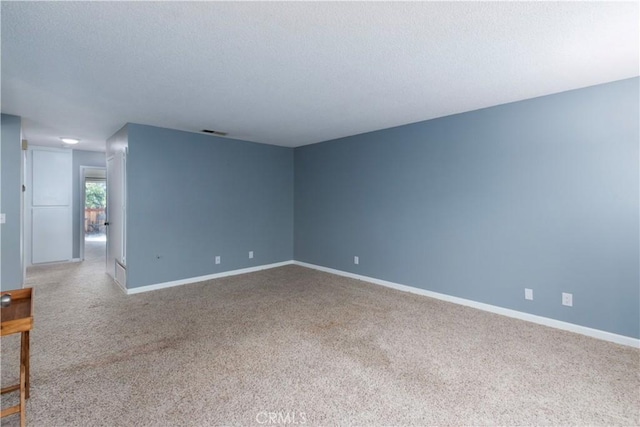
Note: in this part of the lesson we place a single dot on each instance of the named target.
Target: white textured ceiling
(295, 73)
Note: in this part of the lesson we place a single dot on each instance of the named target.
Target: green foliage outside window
(96, 195)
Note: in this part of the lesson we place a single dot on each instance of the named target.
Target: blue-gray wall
(11, 182)
(541, 194)
(81, 158)
(118, 142)
(193, 196)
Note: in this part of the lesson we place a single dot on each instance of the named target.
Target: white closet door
(51, 187)
(116, 212)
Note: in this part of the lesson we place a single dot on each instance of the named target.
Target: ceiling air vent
(214, 132)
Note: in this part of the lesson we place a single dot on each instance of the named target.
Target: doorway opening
(94, 199)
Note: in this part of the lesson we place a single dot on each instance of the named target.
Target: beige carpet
(293, 346)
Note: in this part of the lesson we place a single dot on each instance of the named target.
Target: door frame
(83, 200)
(23, 208)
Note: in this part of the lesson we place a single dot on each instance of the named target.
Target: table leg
(23, 405)
(24, 359)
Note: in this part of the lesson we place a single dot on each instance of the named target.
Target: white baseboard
(558, 324)
(68, 261)
(189, 280)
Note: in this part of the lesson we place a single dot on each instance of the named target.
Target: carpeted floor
(293, 346)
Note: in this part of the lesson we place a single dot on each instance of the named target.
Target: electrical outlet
(528, 293)
(250, 254)
(567, 299)
(217, 259)
(356, 260)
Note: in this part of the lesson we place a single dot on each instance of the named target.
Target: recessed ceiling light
(70, 140)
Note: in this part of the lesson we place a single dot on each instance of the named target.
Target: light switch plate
(3, 218)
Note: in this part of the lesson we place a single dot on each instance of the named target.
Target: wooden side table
(18, 318)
